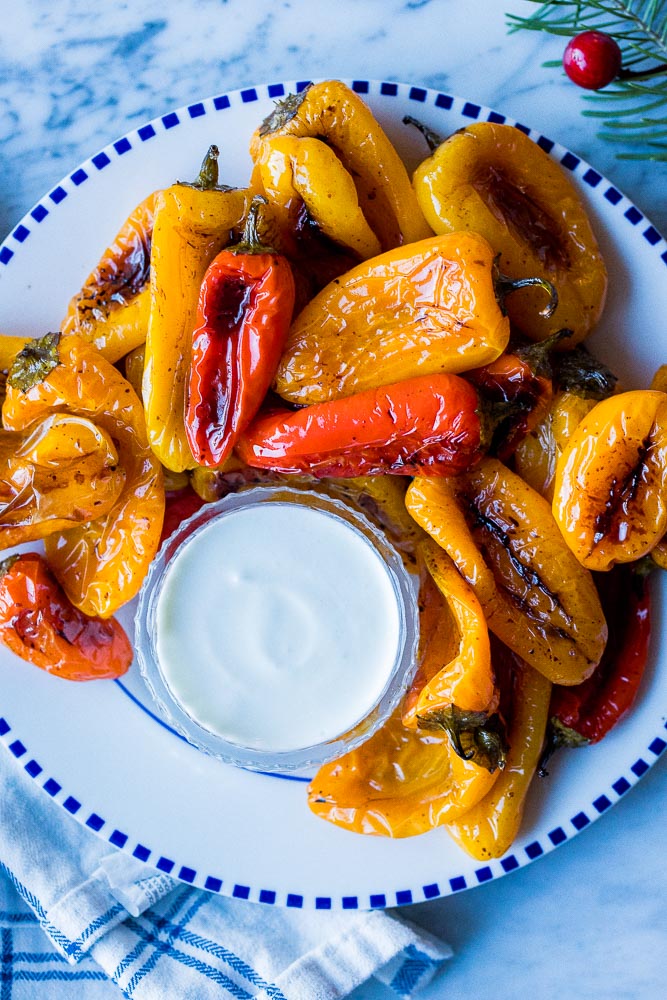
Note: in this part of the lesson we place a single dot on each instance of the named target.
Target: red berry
(592, 59)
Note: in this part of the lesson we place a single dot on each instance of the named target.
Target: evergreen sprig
(633, 107)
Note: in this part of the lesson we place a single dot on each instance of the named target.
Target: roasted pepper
(400, 783)
(296, 172)
(610, 490)
(424, 309)
(585, 714)
(494, 180)
(501, 535)
(489, 828)
(332, 113)
(455, 686)
(425, 425)
(61, 471)
(39, 624)
(244, 312)
(111, 310)
(101, 564)
(192, 224)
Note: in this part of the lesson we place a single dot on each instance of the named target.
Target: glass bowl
(240, 610)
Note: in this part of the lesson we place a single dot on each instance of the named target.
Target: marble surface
(586, 920)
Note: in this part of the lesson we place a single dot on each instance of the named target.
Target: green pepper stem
(504, 286)
(433, 140)
(475, 736)
(250, 241)
(207, 178)
(34, 362)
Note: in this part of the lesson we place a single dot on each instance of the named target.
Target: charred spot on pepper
(611, 521)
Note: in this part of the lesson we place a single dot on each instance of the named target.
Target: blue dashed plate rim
(470, 874)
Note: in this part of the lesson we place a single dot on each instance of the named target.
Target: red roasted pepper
(40, 624)
(428, 426)
(245, 309)
(585, 713)
(179, 505)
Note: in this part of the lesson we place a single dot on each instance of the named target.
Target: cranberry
(592, 59)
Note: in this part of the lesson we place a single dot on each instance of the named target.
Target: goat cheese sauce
(277, 626)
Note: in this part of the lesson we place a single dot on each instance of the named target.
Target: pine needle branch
(631, 108)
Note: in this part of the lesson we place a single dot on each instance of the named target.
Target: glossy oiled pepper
(537, 454)
(111, 310)
(61, 471)
(426, 425)
(489, 828)
(454, 690)
(424, 309)
(586, 713)
(39, 624)
(192, 225)
(245, 308)
(332, 113)
(400, 783)
(494, 180)
(610, 490)
(101, 564)
(298, 173)
(502, 537)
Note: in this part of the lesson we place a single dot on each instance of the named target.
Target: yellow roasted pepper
(192, 224)
(330, 112)
(494, 180)
(419, 310)
(501, 535)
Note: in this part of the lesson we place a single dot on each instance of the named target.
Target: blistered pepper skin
(490, 827)
(538, 453)
(501, 535)
(496, 181)
(111, 310)
(39, 624)
(192, 225)
(425, 309)
(610, 491)
(332, 111)
(428, 426)
(61, 471)
(400, 783)
(101, 564)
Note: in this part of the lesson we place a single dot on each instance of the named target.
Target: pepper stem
(475, 736)
(433, 140)
(557, 735)
(208, 175)
(34, 362)
(251, 241)
(504, 286)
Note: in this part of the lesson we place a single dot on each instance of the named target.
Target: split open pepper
(610, 490)
(60, 471)
(39, 624)
(193, 223)
(425, 309)
(245, 308)
(332, 114)
(501, 535)
(493, 179)
(100, 564)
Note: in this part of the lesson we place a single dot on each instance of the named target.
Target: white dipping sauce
(277, 627)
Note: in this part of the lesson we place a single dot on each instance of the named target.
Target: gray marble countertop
(586, 921)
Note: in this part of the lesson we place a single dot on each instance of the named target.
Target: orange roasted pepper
(494, 180)
(111, 310)
(399, 783)
(610, 492)
(426, 309)
(101, 564)
(489, 828)
(333, 115)
(501, 535)
(60, 471)
(454, 689)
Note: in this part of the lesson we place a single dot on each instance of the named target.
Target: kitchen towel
(76, 919)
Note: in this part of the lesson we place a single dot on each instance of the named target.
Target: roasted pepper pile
(409, 345)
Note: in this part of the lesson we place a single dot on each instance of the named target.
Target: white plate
(97, 749)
